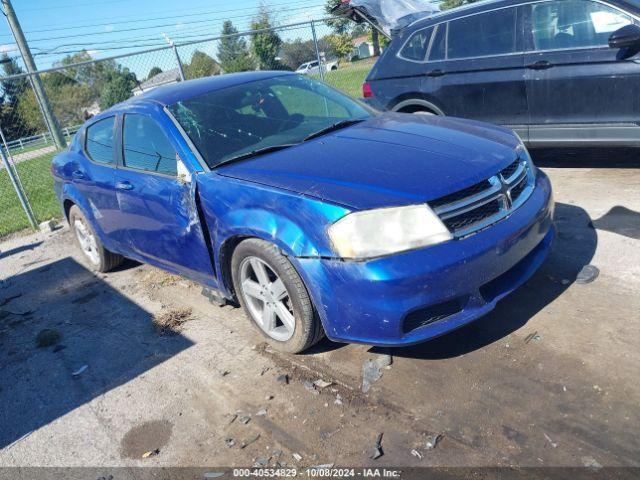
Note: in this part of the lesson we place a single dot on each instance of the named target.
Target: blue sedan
(315, 213)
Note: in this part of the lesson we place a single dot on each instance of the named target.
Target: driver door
(157, 208)
(577, 86)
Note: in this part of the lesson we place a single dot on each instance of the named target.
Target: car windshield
(281, 111)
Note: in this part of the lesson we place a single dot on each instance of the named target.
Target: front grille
(425, 316)
(466, 211)
(473, 216)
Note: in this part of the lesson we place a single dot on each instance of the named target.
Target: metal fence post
(315, 43)
(180, 69)
(18, 188)
(38, 88)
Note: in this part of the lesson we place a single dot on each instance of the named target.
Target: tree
(202, 65)
(266, 45)
(153, 72)
(116, 91)
(233, 53)
(342, 45)
(12, 89)
(297, 52)
(448, 4)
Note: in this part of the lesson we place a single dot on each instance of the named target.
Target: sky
(54, 28)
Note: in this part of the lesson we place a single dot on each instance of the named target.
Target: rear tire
(99, 258)
(274, 297)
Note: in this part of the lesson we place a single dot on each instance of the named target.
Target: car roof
(170, 94)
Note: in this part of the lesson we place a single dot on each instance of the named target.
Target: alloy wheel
(87, 241)
(267, 298)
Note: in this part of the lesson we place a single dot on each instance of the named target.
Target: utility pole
(38, 89)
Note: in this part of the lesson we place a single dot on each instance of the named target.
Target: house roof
(161, 78)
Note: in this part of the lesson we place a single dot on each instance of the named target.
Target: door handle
(77, 174)
(124, 185)
(435, 73)
(540, 65)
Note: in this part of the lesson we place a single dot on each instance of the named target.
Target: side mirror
(625, 37)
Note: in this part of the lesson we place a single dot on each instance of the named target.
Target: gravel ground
(135, 367)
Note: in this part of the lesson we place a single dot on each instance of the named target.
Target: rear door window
(99, 142)
(146, 147)
(417, 46)
(567, 24)
(483, 35)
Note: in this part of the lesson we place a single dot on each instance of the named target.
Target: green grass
(349, 77)
(37, 181)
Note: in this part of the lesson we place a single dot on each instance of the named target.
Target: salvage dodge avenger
(317, 214)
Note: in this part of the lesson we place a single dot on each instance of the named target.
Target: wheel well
(416, 108)
(67, 204)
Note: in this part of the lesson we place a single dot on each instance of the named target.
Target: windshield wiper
(334, 126)
(254, 153)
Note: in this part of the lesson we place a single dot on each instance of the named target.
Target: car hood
(390, 159)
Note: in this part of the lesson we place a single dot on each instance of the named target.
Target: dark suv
(558, 72)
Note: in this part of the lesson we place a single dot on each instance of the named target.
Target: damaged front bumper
(419, 295)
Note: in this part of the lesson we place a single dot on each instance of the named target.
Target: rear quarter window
(417, 46)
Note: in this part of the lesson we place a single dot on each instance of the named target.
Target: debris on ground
(269, 397)
(264, 370)
(433, 441)
(311, 387)
(553, 444)
(224, 373)
(249, 441)
(48, 226)
(59, 348)
(591, 462)
(232, 419)
(47, 338)
(230, 442)
(245, 419)
(587, 274)
(371, 370)
(261, 462)
(416, 453)
(169, 322)
(377, 452)
(296, 456)
(261, 412)
(284, 378)
(321, 384)
(80, 371)
(533, 336)
(151, 453)
(214, 474)
(338, 400)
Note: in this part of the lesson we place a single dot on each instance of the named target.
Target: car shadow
(67, 339)
(573, 248)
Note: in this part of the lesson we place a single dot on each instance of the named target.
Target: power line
(75, 27)
(176, 35)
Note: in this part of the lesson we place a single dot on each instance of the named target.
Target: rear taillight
(366, 90)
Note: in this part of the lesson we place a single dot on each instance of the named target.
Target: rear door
(157, 208)
(94, 177)
(476, 66)
(578, 88)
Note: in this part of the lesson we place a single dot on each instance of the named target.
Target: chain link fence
(84, 87)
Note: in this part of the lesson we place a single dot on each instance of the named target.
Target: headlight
(373, 233)
(524, 154)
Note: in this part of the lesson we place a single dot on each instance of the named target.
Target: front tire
(274, 297)
(99, 258)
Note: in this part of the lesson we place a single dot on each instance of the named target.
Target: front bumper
(371, 302)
